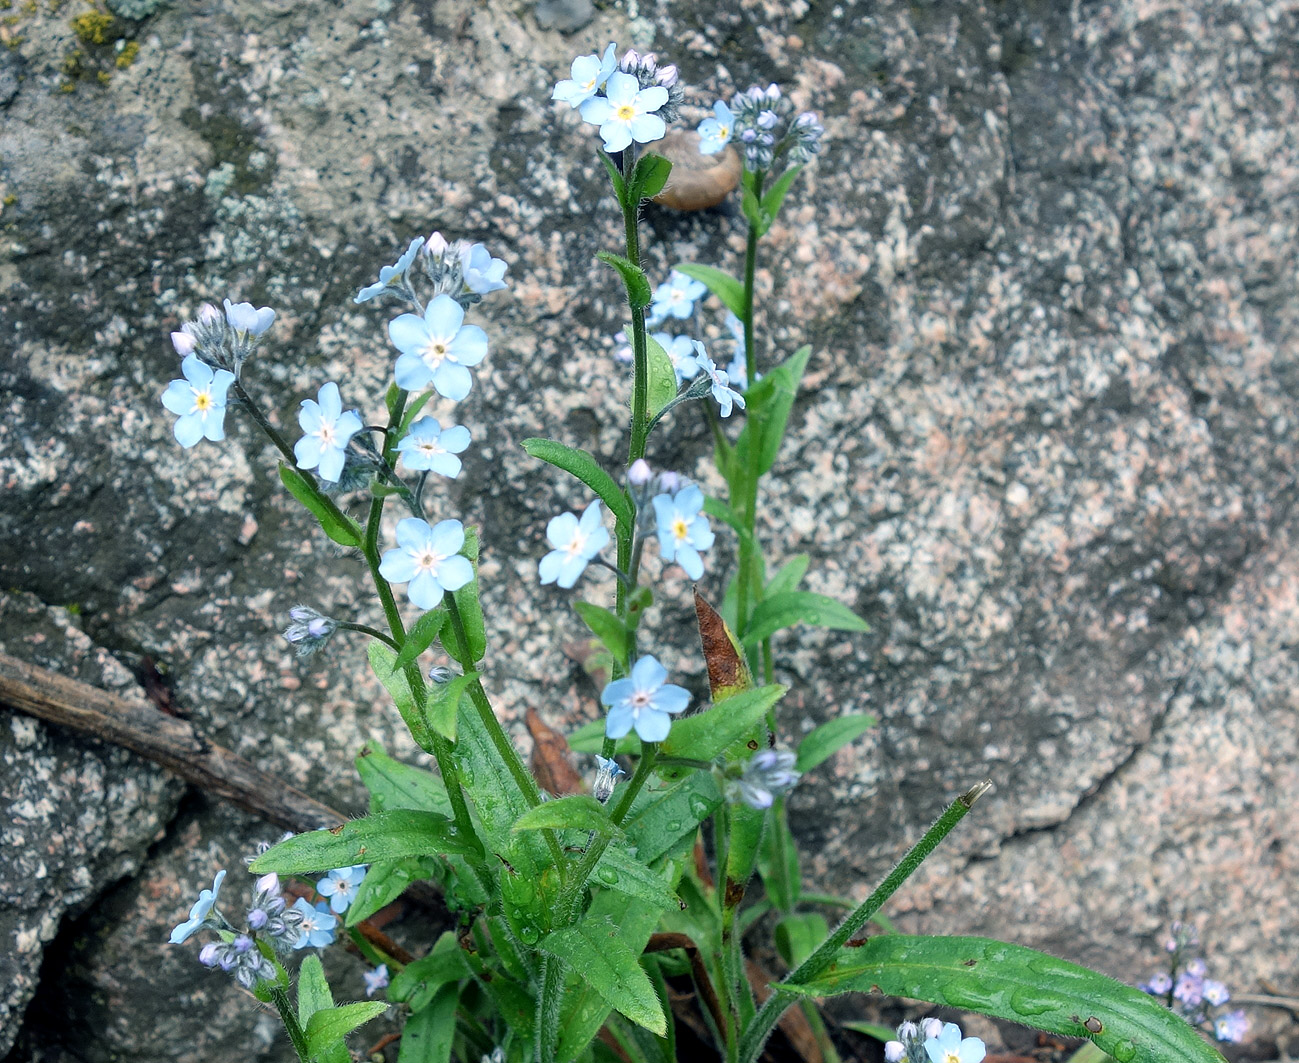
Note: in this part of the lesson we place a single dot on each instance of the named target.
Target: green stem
(748, 590)
(291, 1025)
(756, 1036)
(548, 1006)
(780, 839)
(639, 348)
(374, 633)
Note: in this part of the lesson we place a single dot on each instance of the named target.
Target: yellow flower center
(626, 112)
(202, 401)
(680, 529)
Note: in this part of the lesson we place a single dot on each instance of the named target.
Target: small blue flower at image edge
(430, 447)
(715, 132)
(625, 112)
(950, 1047)
(482, 273)
(375, 980)
(390, 276)
(340, 886)
(644, 701)
(198, 914)
(587, 77)
(244, 317)
(575, 542)
(318, 923)
(683, 530)
(428, 560)
(328, 431)
(436, 348)
(725, 395)
(199, 400)
(676, 297)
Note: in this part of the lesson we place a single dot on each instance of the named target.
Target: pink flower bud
(183, 342)
(639, 474)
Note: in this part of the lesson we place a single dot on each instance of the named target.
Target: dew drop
(529, 935)
(700, 806)
(607, 875)
(1124, 1052)
(673, 825)
(1026, 1002)
(969, 994)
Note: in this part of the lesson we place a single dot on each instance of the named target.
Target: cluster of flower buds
(768, 774)
(762, 123)
(933, 1041)
(462, 270)
(239, 958)
(646, 70)
(223, 341)
(606, 778)
(1188, 990)
(309, 631)
(269, 917)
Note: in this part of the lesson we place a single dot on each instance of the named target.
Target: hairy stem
(291, 1025)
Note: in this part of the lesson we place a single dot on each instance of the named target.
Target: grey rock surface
(1046, 265)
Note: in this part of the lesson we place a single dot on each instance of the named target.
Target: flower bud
(640, 472)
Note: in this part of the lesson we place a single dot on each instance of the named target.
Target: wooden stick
(167, 740)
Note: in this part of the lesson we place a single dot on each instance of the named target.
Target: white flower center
(435, 351)
(430, 447)
(427, 560)
(576, 543)
(641, 699)
(326, 433)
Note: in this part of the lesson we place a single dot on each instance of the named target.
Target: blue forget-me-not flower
(318, 925)
(768, 774)
(681, 351)
(575, 543)
(244, 317)
(483, 274)
(436, 348)
(340, 886)
(589, 73)
(643, 700)
(375, 980)
(675, 297)
(390, 277)
(430, 447)
(328, 430)
(625, 112)
(715, 132)
(950, 1047)
(199, 400)
(428, 559)
(725, 395)
(198, 914)
(683, 529)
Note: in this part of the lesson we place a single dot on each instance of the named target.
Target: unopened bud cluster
(223, 341)
(309, 631)
(768, 774)
(933, 1041)
(646, 70)
(1188, 990)
(764, 127)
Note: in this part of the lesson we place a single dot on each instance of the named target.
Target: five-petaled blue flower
(340, 886)
(680, 350)
(625, 112)
(375, 980)
(428, 559)
(318, 923)
(200, 400)
(683, 529)
(328, 431)
(391, 276)
(949, 1047)
(676, 297)
(429, 446)
(725, 395)
(589, 73)
(644, 701)
(715, 132)
(199, 913)
(575, 543)
(436, 348)
(483, 274)
(244, 317)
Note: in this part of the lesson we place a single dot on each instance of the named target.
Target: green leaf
(391, 398)
(380, 836)
(619, 870)
(798, 936)
(823, 742)
(382, 660)
(444, 704)
(327, 1028)
(471, 610)
(580, 464)
(742, 849)
(723, 285)
(384, 882)
(429, 1034)
(649, 176)
(1019, 984)
(775, 196)
(662, 384)
(872, 1029)
(393, 784)
(800, 607)
(660, 819)
(767, 413)
(576, 812)
(752, 210)
(706, 735)
(615, 176)
(313, 989)
(420, 637)
(595, 948)
(418, 982)
(611, 631)
(789, 577)
(412, 411)
(345, 533)
(639, 293)
(784, 885)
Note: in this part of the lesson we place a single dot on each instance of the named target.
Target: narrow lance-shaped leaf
(723, 285)
(430, 1033)
(639, 293)
(1019, 984)
(382, 662)
(420, 637)
(346, 533)
(800, 607)
(823, 742)
(381, 836)
(393, 784)
(582, 465)
(708, 734)
(769, 403)
(444, 704)
(774, 198)
(576, 811)
(662, 384)
(609, 629)
(596, 948)
(328, 1028)
(649, 177)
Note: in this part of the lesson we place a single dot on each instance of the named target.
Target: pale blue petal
(413, 533)
(411, 373)
(571, 571)
(331, 464)
(585, 68)
(561, 529)
(456, 439)
(619, 722)
(196, 371)
(617, 692)
(616, 136)
(447, 465)
(221, 382)
(307, 451)
(566, 90)
(446, 537)
(549, 566)
(700, 534)
(645, 128)
(671, 698)
(647, 674)
(397, 566)
(179, 397)
(408, 333)
(622, 88)
(348, 425)
(590, 518)
(651, 99)
(452, 381)
(443, 316)
(309, 417)
(688, 558)
(653, 726)
(470, 345)
(262, 319)
(689, 500)
(331, 404)
(369, 292)
(598, 541)
(425, 590)
(188, 430)
(596, 111)
(214, 423)
(972, 1050)
(455, 572)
